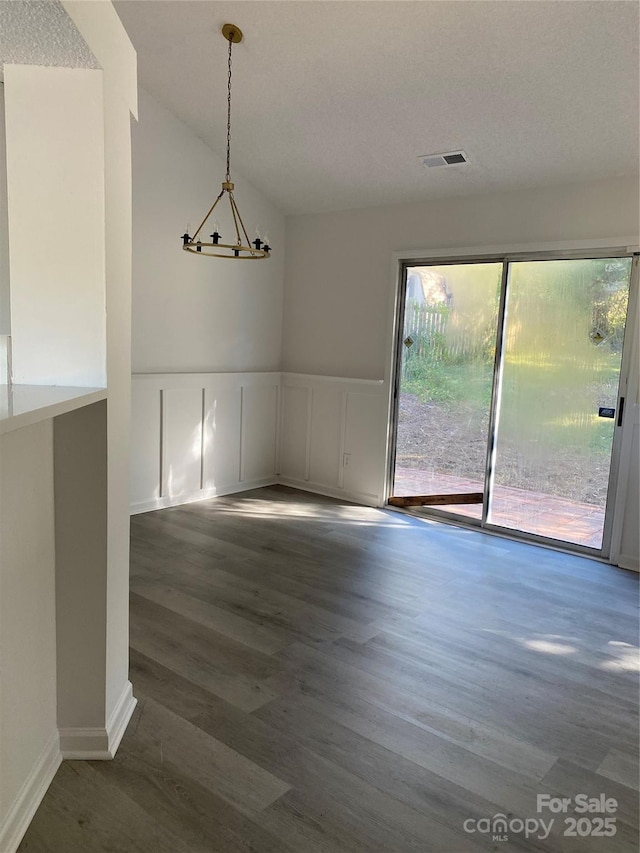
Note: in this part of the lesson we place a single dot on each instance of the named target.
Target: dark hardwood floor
(316, 676)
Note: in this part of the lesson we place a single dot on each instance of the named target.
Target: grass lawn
(550, 438)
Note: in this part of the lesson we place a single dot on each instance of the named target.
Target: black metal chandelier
(243, 247)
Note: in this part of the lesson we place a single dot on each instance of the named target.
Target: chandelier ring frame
(247, 252)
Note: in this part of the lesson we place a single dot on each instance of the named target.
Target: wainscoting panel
(326, 436)
(146, 415)
(196, 435)
(294, 433)
(222, 429)
(259, 432)
(333, 436)
(181, 441)
(364, 446)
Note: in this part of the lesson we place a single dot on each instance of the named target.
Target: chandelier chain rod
(235, 208)
(229, 114)
(208, 214)
(235, 219)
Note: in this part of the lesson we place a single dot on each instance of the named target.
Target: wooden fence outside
(426, 326)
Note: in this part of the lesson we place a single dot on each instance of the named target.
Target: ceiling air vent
(449, 158)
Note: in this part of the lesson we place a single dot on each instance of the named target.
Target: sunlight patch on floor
(627, 658)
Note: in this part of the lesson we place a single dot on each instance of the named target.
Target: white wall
(80, 485)
(630, 536)
(196, 314)
(29, 751)
(70, 639)
(5, 322)
(100, 26)
(206, 332)
(626, 530)
(55, 172)
(118, 207)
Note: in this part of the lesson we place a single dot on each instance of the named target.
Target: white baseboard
(627, 561)
(85, 743)
(200, 495)
(30, 796)
(120, 716)
(341, 494)
(99, 744)
(317, 488)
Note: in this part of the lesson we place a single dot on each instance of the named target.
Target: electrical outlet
(346, 460)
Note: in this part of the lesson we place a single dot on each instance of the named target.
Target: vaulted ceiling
(333, 102)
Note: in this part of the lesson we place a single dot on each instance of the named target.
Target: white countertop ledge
(24, 405)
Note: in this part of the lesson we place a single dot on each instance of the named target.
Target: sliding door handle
(620, 410)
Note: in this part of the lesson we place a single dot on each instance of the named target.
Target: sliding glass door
(446, 369)
(563, 337)
(507, 399)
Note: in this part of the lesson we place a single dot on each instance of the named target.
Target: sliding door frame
(466, 257)
(496, 389)
(628, 390)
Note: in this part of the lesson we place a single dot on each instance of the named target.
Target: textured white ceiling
(39, 32)
(333, 102)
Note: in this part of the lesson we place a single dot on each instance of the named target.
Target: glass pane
(563, 338)
(448, 350)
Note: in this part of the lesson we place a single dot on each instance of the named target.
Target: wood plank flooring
(318, 677)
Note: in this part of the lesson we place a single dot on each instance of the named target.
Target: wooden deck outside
(544, 515)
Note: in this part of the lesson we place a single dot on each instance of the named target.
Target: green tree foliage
(609, 296)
